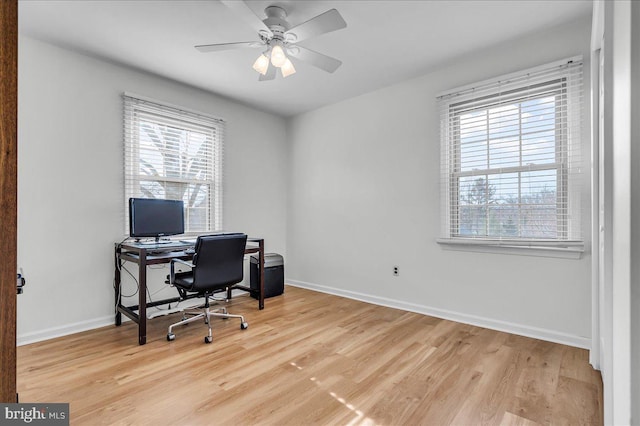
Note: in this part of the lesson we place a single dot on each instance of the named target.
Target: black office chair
(218, 263)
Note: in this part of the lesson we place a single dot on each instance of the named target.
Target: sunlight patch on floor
(360, 418)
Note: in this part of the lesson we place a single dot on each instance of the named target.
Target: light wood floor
(312, 358)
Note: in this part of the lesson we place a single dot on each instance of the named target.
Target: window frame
(137, 108)
(454, 104)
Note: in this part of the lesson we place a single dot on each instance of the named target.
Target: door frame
(8, 195)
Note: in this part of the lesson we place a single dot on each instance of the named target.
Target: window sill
(557, 249)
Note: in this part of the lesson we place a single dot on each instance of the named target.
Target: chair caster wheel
(208, 339)
(244, 326)
(171, 337)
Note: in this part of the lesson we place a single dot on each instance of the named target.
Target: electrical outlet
(396, 271)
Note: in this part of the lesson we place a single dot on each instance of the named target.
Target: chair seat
(184, 280)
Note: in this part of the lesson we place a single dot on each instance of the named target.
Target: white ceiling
(384, 42)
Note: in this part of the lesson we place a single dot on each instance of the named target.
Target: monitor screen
(150, 217)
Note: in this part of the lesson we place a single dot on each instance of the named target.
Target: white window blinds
(173, 153)
(510, 157)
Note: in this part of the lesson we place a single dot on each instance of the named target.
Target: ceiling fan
(279, 39)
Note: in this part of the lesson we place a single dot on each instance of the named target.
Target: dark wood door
(8, 195)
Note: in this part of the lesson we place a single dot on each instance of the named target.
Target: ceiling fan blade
(227, 46)
(330, 20)
(324, 62)
(270, 75)
(247, 15)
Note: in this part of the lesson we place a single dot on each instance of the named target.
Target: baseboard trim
(65, 330)
(508, 327)
(53, 332)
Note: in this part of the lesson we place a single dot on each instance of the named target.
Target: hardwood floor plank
(575, 403)
(313, 359)
(381, 386)
(487, 404)
(575, 365)
(510, 419)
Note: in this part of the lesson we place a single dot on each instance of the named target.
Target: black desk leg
(262, 273)
(142, 298)
(117, 286)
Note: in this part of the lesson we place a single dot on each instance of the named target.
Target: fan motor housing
(276, 21)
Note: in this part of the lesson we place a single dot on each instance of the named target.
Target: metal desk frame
(145, 255)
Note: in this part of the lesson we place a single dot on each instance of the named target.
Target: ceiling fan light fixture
(287, 68)
(261, 64)
(280, 39)
(278, 58)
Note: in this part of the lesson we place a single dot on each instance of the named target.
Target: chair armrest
(172, 273)
(184, 262)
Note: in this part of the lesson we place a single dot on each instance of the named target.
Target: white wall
(70, 182)
(635, 213)
(364, 196)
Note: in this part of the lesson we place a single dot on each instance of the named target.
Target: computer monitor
(150, 217)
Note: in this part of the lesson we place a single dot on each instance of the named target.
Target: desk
(154, 254)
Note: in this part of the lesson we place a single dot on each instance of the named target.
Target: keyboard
(154, 243)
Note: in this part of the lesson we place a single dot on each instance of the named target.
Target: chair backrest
(218, 261)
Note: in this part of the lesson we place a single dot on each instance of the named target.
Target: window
(511, 163)
(172, 153)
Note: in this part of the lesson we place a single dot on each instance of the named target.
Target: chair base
(207, 314)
